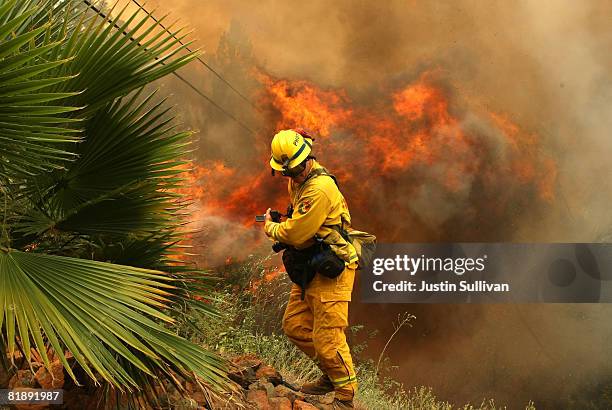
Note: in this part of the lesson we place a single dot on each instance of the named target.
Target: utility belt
(303, 264)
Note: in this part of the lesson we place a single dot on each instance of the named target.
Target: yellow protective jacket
(318, 209)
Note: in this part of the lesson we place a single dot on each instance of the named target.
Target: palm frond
(27, 144)
(102, 313)
(115, 57)
(123, 180)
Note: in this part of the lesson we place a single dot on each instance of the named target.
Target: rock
(259, 398)
(248, 360)
(245, 370)
(23, 378)
(242, 377)
(263, 385)
(199, 397)
(284, 391)
(280, 403)
(302, 405)
(327, 398)
(323, 402)
(53, 379)
(270, 374)
(322, 406)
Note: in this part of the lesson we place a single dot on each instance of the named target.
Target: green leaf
(99, 312)
(29, 148)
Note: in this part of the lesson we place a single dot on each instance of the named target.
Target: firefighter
(316, 315)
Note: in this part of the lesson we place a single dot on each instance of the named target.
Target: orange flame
(410, 155)
(303, 105)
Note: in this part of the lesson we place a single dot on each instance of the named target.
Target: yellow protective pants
(316, 325)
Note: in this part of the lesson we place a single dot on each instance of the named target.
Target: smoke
(545, 65)
(217, 249)
(569, 46)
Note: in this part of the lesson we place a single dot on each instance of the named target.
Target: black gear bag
(302, 265)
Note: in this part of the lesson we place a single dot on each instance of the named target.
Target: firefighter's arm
(308, 216)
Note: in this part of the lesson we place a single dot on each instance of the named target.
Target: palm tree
(90, 166)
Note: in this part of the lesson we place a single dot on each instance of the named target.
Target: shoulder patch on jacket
(304, 206)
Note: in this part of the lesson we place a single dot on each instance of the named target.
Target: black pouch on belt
(302, 265)
(325, 261)
(298, 267)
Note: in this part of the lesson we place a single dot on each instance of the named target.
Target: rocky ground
(265, 388)
(258, 386)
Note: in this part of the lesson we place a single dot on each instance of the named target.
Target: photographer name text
(445, 286)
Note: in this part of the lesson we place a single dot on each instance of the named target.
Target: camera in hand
(276, 217)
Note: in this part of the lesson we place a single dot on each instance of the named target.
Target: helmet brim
(275, 165)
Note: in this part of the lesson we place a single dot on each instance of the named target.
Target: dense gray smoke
(546, 65)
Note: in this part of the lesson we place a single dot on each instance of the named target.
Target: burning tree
(90, 169)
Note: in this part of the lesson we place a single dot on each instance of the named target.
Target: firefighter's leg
(330, 299)
(298, 322)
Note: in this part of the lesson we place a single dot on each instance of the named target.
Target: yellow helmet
(289, 149)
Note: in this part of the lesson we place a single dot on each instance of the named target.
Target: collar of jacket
(315, 165)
